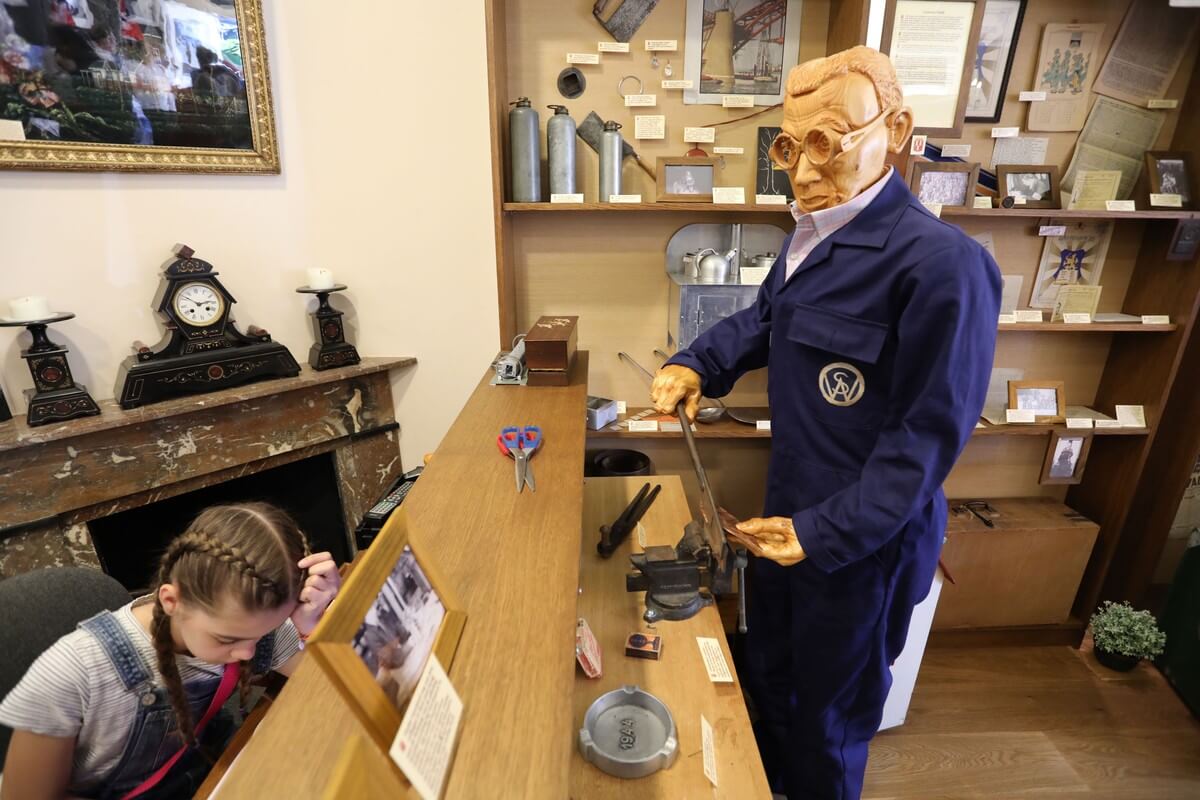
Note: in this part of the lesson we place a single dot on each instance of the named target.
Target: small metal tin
(629, 733)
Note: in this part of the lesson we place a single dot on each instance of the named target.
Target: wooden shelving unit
(606, 263)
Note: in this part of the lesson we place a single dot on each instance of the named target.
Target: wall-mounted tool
(679, 581)
(611, 536)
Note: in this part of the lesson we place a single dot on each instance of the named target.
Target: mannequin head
(842, 115)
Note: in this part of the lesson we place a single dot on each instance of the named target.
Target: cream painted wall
(383, 122)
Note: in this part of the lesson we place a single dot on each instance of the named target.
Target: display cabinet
(604, 262)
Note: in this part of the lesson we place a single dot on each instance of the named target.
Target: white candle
(26, 309)
(319, 278)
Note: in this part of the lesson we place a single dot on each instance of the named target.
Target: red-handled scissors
(520, 444)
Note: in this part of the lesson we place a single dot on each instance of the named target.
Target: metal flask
(714, 267)
(526, 153)
(611, 147)
(560, 149)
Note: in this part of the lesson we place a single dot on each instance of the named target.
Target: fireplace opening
(131, 542)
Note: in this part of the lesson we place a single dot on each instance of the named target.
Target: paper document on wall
(988, 241)
(1066, 66)
(1145, 56)
(1116, 136)
(1010, 297)
(1020, 150)
(997, 394)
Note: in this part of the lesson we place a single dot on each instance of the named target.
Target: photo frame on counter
(950, 183)
(933, 31)
(1037, 184)
(685, 179)
(1046, 399)
(718, 62)
(393, 614)
(141, 87)
(993, 59)
(1066, 457)
(1170, 173)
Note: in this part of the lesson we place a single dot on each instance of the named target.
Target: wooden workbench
(678, 678)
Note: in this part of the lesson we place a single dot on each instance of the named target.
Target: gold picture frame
(333, 643)
(1021, 394)
(261, 157)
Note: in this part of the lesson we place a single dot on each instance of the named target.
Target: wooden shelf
(948, 211)
(1093, 327)
(727, 428)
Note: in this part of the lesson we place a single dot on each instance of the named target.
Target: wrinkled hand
(773, 538)
(672, 384)
(319, 589)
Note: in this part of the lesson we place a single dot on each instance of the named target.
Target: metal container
(691, 264)
(714, 267)
(611, 146)
(629, 733)
(525, 152)
(766, 260)
(560, 150)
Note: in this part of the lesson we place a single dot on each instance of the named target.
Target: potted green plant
(1124, 636)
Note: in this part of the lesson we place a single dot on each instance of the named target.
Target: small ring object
(621, 85)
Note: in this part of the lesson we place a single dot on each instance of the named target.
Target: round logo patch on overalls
(842, 384)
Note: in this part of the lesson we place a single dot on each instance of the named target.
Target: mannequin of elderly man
(877, 326)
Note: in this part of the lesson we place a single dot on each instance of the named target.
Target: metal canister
(526, 153)
(560, 150)
(611, 147)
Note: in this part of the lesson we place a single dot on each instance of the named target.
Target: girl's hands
(318, 591)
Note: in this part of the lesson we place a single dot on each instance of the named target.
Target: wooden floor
(1034, 722)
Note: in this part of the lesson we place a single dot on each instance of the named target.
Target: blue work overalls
(152, 738)
(879, 349)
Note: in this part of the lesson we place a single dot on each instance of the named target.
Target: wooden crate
(1024, 571)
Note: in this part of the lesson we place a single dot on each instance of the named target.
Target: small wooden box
(550, 344)
(1024, 571)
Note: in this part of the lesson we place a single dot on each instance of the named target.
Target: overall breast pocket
(840, 361)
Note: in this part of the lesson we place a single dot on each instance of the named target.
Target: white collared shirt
(814, 228)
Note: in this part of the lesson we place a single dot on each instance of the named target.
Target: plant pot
(1116, 661)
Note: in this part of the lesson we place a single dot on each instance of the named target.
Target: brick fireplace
(57, 482)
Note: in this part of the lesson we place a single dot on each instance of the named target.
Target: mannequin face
(841, 105)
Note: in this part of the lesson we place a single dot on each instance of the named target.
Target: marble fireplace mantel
(56, 478)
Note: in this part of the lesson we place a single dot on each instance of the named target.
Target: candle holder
(331, 348)
(55, 397)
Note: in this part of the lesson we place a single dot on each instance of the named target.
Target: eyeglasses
(820, 145)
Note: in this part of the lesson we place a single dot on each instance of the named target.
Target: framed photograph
(1185, 241)
(392, 616)
(1046, 399)
(1076, 257)
(1031, 185)
(950, 183)
(930, 43)
(769, 178)
(993, 59)
(740, 47)
(137, 86)
(685, 179)
(1169, 174)
(1066, 457)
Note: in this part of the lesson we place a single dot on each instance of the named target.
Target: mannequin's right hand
(672, 384)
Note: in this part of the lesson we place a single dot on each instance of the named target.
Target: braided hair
(246, 552)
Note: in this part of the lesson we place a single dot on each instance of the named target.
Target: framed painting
(993, 59)
(740, 47)
(393, 614)
(136, 85)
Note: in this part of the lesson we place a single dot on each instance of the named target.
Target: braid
(209, 545)
(164, 648)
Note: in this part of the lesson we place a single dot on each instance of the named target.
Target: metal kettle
(714, 267)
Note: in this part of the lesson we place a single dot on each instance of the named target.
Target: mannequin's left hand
(773, 538)
(319, 589)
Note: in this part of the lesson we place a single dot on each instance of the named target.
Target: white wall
(383, 123)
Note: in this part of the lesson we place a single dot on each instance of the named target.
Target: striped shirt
(72, 690)
(814, 228)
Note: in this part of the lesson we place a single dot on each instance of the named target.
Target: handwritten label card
(982, 202)
(956, 150)
(624, 198)
(1156, 319)
(1008, 319)
(613, 47)
(771, 200)
(1019, 415)
(1162, 103)
(650, 127)
(622, 407)
(1079, 422)
(1131, 416)
(729, 151)
(1052, 230)
(662, 45)
(678, 84)
(714, 660)
(762, 425)
(1028, 315)
(566, 198)
(638, 100)
(1077, 318)
(699, 134)
(933, 208)
(1031, 97)
(425, 742)
(643, 426)
(1120, 205)
(737, 101)
(735, 195)
(1005, 133)
(710, 750)
(583, 58)
(1166, 200)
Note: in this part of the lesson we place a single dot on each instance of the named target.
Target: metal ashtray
(629, 733)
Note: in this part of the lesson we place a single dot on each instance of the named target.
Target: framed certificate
(929, 42)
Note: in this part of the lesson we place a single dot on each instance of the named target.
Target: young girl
(110, 703)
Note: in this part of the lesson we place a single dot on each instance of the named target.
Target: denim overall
(152, 738)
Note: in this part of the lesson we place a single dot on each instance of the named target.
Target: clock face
(198, 303)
